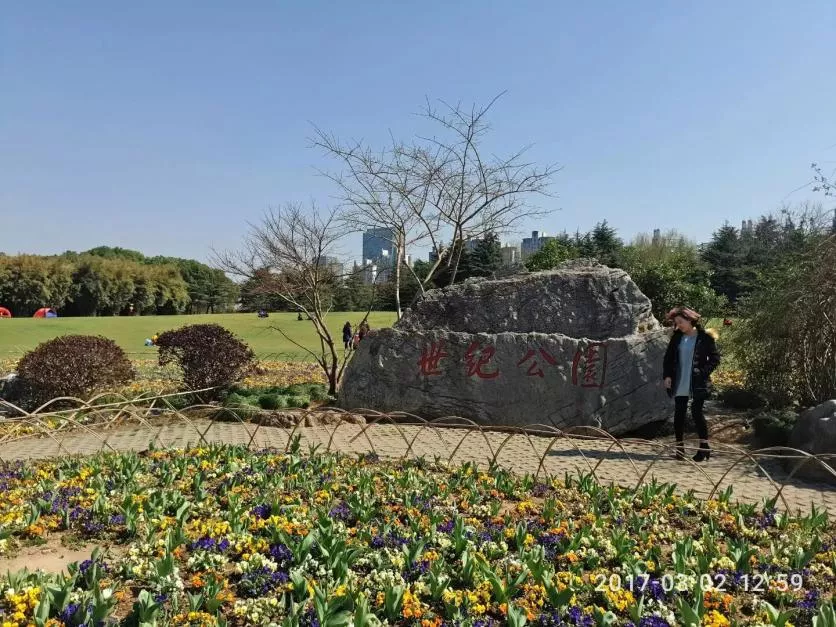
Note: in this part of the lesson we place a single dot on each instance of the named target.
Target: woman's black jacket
(706, 360)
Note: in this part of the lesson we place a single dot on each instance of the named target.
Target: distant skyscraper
(377, 245)
(510, 255)
(471, 244)
(531, 245)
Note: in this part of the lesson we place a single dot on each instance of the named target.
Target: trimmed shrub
(773, 428)
(209, 355)
(300, 401)
(737, 398)
(315, 391)
(72, 365)
(237, 400)
(272, 401)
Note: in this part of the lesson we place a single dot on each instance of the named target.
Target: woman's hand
(668, 383)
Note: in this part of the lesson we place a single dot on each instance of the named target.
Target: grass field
(18, 335)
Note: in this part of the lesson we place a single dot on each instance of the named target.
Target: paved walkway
(627, 462)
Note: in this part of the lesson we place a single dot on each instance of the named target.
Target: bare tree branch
(438, 187)
(287, 255)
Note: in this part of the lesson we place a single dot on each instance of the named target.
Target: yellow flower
(620, 599)
(715, 619)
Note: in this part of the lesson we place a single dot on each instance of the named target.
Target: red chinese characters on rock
(589, 368)
(477, 357)
(534, 369)
(430, 358)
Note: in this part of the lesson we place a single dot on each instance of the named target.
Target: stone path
(626, 462)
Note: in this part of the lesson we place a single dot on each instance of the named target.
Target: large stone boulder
(815, 432)
(573, 346)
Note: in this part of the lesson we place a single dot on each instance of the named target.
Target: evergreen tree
(724, 255)
(605, 243)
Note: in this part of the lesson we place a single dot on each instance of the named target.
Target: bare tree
(381, 191)
(287, 254)
(439, 187)
(474, 193)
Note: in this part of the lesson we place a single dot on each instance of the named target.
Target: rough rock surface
(815, 432)
(573, 346)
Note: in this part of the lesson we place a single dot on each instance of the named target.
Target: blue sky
(166, 126)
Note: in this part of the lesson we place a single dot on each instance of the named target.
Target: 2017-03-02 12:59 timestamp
(680, 582)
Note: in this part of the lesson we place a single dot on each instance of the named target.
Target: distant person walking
(347, 335)
(363, 330)
(691, 357)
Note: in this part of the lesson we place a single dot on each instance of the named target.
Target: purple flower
(809, 602)
(540, 489)
(575, 614)
(766, 519)
(209, 544)
(88, 564)
(653, 589)
(653, 621)
(341, 512)
(309, 618)
(260, 582)
(551, 619)
(261, 511)
(280, 553)
(445, 527)
(66, 616)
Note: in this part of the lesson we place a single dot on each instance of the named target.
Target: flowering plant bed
(225, 535)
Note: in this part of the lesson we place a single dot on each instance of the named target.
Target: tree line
(108, 281)
(715, 277)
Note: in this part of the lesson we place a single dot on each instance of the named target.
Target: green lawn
(18, 335)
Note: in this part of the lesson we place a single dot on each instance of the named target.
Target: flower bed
(224, 535)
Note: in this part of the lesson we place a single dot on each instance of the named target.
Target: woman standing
(691, 357)
(347, 335)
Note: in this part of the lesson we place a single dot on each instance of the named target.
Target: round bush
(300, 401)
(236, 400)
(72, 365)
(773, 428)
(319, 392)
(209, 355)
(272, 401)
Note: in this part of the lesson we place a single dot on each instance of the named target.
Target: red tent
(5, 313)
(45, 312)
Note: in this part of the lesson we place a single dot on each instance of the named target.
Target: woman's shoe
(702, 455)
(679, 455)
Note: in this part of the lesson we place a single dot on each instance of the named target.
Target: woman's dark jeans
(679, 414)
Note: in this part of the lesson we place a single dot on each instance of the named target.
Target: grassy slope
(22, 334)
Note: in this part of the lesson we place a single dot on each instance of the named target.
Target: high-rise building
(471, 244)
(747, 228)
(378, 245)
(657, 237)
(531, 245)
(333, 264)
(510, 255)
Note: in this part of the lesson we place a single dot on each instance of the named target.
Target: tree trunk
(398, 258)
(456, 266)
